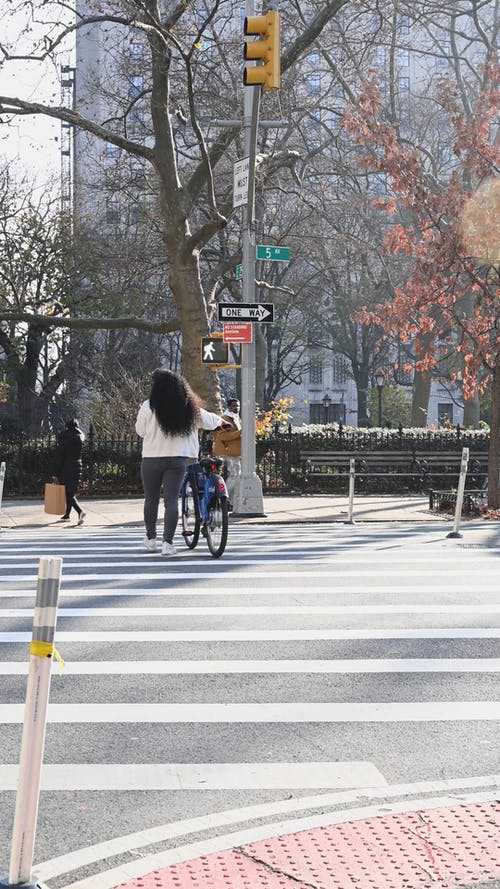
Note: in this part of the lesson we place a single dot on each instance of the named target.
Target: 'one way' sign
(256, 312)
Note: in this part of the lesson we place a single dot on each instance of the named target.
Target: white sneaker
(82, 517)
(168, 549)
(150, 545)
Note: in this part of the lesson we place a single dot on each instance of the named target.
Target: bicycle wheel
(191, 521)
(217, 525)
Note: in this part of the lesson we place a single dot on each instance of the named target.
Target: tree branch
(128, 322)
(309, 35)
(14, 105)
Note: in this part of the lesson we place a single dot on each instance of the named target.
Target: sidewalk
(278, 509)
(455, 846)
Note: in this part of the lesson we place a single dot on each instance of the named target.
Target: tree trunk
(494, 449)
(192, 313)
(361, 379)
(420, 399)
(27, 401)
(471, 413)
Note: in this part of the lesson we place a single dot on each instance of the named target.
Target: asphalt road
(309, 660)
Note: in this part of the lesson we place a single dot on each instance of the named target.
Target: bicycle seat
(211, 463)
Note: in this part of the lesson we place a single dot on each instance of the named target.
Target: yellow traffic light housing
(266, 50)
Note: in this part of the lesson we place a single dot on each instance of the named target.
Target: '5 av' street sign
(257, 312)
(273, 254)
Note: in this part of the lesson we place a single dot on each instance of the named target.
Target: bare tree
(182, 83)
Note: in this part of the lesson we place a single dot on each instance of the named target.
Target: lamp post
(379, 379)
(326, 402)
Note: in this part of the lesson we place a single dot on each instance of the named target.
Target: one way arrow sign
(257, 312)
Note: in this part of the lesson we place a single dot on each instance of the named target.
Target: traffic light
(265, 50)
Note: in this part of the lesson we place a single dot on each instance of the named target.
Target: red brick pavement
(415, 850)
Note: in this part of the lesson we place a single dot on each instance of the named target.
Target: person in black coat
(68, 468)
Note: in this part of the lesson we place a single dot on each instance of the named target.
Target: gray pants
(166, 473)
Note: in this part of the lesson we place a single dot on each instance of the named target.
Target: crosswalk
(311, 657)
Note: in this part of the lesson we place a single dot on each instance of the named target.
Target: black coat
(68, 467)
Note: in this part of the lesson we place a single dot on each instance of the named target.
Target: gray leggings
(166, 472)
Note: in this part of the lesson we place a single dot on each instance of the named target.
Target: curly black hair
(173, 402)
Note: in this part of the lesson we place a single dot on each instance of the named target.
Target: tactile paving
(444, 847)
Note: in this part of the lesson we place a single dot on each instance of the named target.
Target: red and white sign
(237, 333)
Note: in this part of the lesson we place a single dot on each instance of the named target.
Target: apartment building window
(403, 58)
(313, 83)
(445, 413)
(404, 24)
(444, 56)
(331, 413)
(111, 150)
(135, 87)
(340, 374)
(379, 183)
(316, 371)
(313, 128)
(405, 376)
(135, 121)
(112, 212)
(135, 213)
(404, 86)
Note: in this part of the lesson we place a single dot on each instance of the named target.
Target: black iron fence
(111, 466)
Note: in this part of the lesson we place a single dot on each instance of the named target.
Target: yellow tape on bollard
(46, 649)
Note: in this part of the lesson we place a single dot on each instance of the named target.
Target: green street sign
(273, 254)
(238, 272)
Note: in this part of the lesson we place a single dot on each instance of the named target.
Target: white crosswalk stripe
(309, 657)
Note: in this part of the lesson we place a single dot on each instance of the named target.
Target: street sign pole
(248, 499)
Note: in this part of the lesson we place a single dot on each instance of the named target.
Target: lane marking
(250, 635)
(275, 712)
(72, 861)
(285, 546)
(244, 610)
(201, 776)
(160, 860)
(222, 573)
(180, 668)
(223, 593)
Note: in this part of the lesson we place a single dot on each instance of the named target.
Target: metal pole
(35, 719)
(352, 477)
(460, 494)
(248, 498)
(380, 406)
(2, 479)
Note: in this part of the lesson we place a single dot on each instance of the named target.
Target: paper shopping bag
(55, 499)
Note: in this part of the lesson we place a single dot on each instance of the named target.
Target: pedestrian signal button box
(214, 350)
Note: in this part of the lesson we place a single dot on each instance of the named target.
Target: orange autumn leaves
(449, 236)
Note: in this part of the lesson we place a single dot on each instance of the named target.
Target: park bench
(441, 500)
(449, 461)
(413, 469)
(368, 465)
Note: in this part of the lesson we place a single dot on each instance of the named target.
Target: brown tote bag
(55, 499)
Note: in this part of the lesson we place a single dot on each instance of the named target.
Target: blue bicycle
(205, 505)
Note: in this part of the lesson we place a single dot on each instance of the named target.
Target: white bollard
(460, 494)
(35, 719)
(352, 478)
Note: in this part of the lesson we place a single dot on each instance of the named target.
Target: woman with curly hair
(168, 423)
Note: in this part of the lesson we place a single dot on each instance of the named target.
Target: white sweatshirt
(157, 444)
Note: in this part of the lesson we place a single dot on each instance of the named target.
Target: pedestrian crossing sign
(214, 350)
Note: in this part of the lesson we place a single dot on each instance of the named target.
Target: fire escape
(67, 148)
